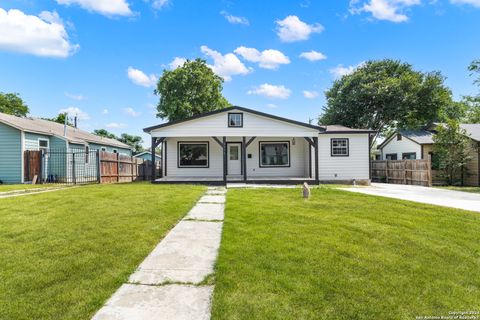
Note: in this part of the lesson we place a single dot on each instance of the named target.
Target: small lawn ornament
(306, 191)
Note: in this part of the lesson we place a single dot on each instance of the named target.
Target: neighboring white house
(244, 145)
(418, 144)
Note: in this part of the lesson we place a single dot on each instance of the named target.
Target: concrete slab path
(439, 197)
(167, 284)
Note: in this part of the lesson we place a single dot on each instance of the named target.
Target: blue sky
(100, 58)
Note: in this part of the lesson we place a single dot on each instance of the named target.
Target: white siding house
(240, 144)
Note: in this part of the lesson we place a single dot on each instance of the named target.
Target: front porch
(238, 159)
(235, 179)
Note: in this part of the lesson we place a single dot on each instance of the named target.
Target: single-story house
(63, 145)
(147, 155)
(237, 144)
(418, 144)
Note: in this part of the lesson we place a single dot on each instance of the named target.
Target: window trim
(391, 154)
(407, 153)
(234, 113)
(339, 155)
(43, 148)
(193, 142)
(273, 166)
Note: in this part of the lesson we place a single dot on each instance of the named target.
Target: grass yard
(464, 189)
(64, 253)
(342, 255)
(24, 187)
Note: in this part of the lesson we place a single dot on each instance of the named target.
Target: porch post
(244, 159)
(225, 160)
(154, 142)
(315, 143)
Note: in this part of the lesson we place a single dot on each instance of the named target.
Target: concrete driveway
(439, 197)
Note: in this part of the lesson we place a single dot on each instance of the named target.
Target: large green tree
(61, 118)
(133, 141)
(385, 95)
(11, 103)
(189, 90)
(104, 133)
(452, 149)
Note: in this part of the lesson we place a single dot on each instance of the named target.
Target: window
(234, 152)
(235, 120)
(409, 156)
(87, 153)
(115, 151)
(391, 156)
(103, 149)
(339, 147)
(275, 154)
(399, 137)
(193, 154)
(42, 144)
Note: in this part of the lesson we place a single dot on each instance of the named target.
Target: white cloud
(105, 7)
(271, 91)
(77, 97)
(272, 106)
(140, 78)
(234, 19)
(159, 4)
(226, 65)
(292, 29)
(475, 3)
(340, 71)
(131, 112)
(310, 94)
(267, 59)
(390, 10)
(105, 111)
(115, 125)
(75, 112)
(43, 36)
(313, 55)
(177, 62)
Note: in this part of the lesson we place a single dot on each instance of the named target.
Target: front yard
(344, 256)
(64, 253)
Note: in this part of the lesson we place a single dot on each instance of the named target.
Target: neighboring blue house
(65, 146)
(147, 155)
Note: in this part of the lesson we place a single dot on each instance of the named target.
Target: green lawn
(24, 187)
(63, 253)
(464, 189)
(342, 255)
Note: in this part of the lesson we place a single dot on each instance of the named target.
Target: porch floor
(219, 180)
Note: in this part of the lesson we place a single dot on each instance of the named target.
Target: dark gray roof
(336, 128)
(419, 136)
(473, 130)
(50, 128)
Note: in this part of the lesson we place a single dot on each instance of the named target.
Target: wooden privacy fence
(32, 164)
(115, 167)
(413, 172)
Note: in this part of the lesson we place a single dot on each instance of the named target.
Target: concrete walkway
(167, 284)
(439, 197)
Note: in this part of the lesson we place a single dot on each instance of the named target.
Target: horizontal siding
(298, 157)
(403, 146)
(94, 146)
(355, 166)
(31, 140)
(217, 125)
(10, 154)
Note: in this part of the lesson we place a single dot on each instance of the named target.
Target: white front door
(234, 156)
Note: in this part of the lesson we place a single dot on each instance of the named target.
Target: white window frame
(334, 149)
(43, 148)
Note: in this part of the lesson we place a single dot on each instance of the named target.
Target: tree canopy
(386, 95)
(11, 103)
(189, 90)
(60, 119)
(133, 141)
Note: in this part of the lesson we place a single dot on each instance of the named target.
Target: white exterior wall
(355, 166)
(217, 125)
(298, 158)
(403, 146)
